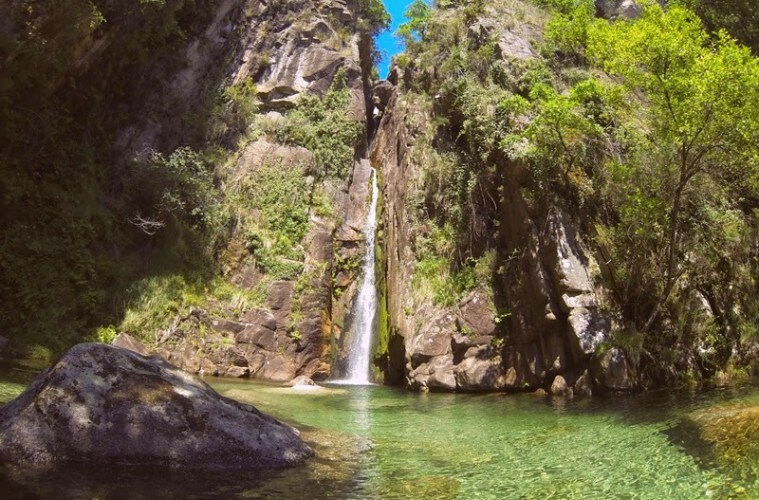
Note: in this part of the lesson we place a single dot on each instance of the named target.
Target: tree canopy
(700, 129)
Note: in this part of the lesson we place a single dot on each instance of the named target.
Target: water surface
(378, 442)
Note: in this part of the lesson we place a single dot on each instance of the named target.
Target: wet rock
(126, 341)
(105, 405)
(540, 393)
(301, 380)
(4, 344)
(559, 387)
(475, 374)
(612, 370)
(584, 385)
(356, 206)
(259, 336)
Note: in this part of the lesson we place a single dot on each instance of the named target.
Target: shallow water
(378, 442)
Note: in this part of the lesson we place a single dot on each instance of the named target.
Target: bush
(323, 125)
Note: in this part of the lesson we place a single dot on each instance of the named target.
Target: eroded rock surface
(541, 316)
(104, 405)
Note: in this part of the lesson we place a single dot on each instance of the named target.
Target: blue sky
(388, 44)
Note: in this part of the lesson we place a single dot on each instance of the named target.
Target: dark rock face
(4, 343)
(612, 370)
(540, 320)
(103, 404)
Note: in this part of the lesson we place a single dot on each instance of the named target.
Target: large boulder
(614, 9)
(612, 370)
(104, 404)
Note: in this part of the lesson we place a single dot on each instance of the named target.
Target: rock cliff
(540, 312)
(280, 55)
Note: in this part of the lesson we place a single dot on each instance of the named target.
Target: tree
(739, 17)
(699, 111)
(418, 13)
(375, 15)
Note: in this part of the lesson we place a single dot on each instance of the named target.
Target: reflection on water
(377, 442)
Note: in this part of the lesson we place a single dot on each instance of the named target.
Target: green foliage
(646, 129)
(702, 138)
(740, 18)
(235, 109)
(154, 302)
(176, 188)
(39, 354)
(105, 334)
(567, 31)
(275, 219)
(374, 15)
(67, 248)
(418, 14)
(323, 125)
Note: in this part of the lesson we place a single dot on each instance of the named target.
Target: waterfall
(365, 307)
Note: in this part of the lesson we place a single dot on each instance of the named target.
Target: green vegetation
(699, 155)
(322, 125)
(739, 17)
(91, 238)
(374, 16)
(646, 130)
(64, 213)
(418, 13)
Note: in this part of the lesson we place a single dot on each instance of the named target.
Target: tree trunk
(674, 218)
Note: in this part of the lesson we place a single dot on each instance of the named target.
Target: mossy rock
(732, 431)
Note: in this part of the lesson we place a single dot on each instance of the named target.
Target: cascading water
(365, 308)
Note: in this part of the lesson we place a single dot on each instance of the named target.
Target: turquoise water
(378, 442)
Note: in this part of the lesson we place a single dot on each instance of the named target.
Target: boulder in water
(104, 404)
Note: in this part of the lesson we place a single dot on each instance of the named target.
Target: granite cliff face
(231, 184)
(539, 317)
(279, 53)
(536, 322)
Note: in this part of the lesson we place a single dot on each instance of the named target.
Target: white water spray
(360, 351)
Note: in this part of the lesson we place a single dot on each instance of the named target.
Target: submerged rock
(730, 432)
(104, 404)
(301, 381)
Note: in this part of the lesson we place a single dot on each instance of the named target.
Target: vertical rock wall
(547, 280)
(287, 50)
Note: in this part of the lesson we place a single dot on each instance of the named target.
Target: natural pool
(378, 442)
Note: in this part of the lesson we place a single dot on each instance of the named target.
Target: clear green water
(377, 442)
